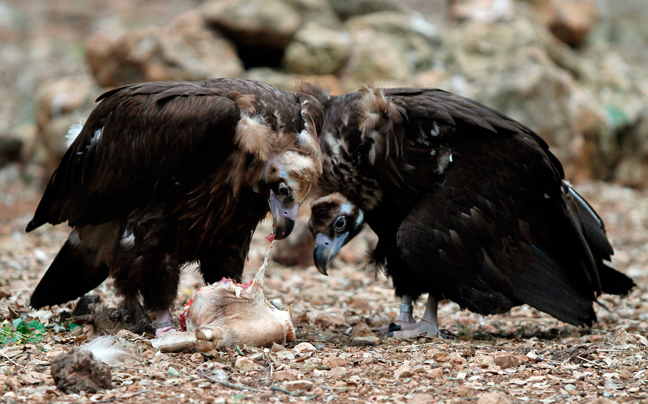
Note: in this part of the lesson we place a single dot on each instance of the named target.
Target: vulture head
(286, 181)
(334, 222)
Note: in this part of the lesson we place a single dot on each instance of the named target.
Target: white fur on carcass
(226, 314)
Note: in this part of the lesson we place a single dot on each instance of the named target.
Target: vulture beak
(325, 250)
(283, 217)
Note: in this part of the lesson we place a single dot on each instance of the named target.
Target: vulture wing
(149, 142)
(488, 212)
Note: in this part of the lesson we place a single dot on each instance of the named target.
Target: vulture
(468, 205)
(166, 173)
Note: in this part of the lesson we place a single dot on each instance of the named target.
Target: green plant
(21, 332)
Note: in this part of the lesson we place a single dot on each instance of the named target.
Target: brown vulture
(468, 204)
(166, 173)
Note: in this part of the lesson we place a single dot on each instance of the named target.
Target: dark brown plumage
(468, 204)
(165, 173)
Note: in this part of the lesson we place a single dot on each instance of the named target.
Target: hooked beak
(325, 250)
(283, 218)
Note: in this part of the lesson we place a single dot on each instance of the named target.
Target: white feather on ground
(110, 350)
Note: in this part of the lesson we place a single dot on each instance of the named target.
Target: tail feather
(546, 286)
(614, 282)
(73, 273)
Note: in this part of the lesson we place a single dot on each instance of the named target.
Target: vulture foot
(163, 324)
(428, 326)
(404, 319)
(421, 329)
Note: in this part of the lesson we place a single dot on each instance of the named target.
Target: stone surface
(571, 21)
(390, 46)
(186, 49)
(482, 11)
(296, 250)
(59, 104)
(316, 49)
(334, 361)
(287, 375)
(403, 371)
(493, 398)
(318, 11)
(244, 364)
(254, 23)
(299, 385)
(329, 321)
(77, 371)
(347, 9)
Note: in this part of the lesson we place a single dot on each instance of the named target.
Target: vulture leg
(404, 318)
(428, 326)
(163, 323)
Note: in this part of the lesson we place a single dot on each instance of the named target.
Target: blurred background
(573, 70)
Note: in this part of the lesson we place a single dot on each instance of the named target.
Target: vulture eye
(284, 190)
(340, 223)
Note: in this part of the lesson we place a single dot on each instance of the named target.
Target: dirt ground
(524, 356)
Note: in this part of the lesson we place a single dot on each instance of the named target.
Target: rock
(346, 9)
(337, 373)
(244, 364)
(316, 49)
(318, 11)
(633, 168)
(327, 321)
(510, 68)
(506, 360)
(389, 46)
(333, 361)
(361, 330)
(482, 11)
(405, 370)
(269, 24)
(77, 371)
(295, 251)
(435, 373)
(493, 398)
(185, 49)
(10, 148)
(298, 385)
(286, 375)
(422, 398)
(571, 21)
(304, 347)
(625, 374)
(60, 104)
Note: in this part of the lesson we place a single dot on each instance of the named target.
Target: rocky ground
(524, 356)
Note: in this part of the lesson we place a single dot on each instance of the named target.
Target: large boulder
(60, 104)
(390, 47)
(318, 11)
(254, 23)
(186, 49)
(520, 69)
(633, 168)
(571, 21)
(316, 49)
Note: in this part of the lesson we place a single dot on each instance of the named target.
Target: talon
(394, 327)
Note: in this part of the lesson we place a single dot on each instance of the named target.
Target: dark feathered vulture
(165, 173)
(468, 205)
